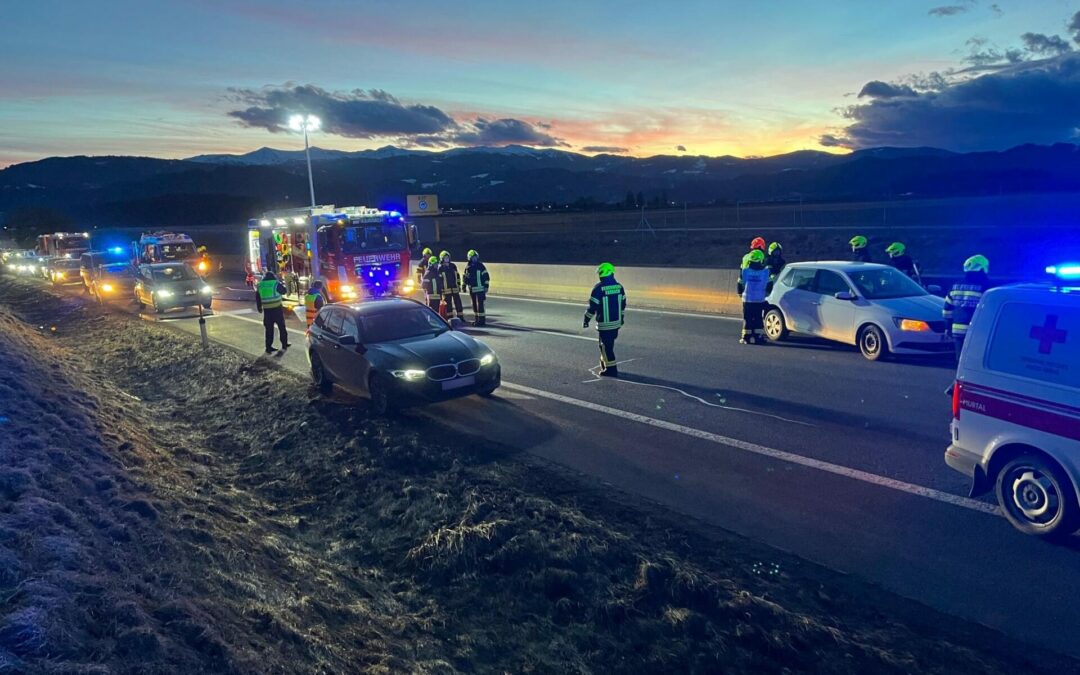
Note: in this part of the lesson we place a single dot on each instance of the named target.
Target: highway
(805, 446)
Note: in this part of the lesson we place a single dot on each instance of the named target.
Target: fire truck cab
(358, 252)
(68, 245)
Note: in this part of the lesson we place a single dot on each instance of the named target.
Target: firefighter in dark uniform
(451, 286)
(477, 282)
(899, 258)
(963, 298)
(422, 266)
(432, 283)
(270, 301)
(775, 260)
(859, 250)
(607, 304)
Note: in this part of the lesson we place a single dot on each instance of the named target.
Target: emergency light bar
(1065, 271)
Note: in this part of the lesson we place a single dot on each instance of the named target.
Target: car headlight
(207, 290)
(913, 325)
(163, 293)
(411, 375)
(202, 265)
(487, 359)
(409, 286)
(108, 288)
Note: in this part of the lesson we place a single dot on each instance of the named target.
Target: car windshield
(174, 273)
(400, 324)
(885, 283)
(117, 270)
(368, 238)
(177, 251)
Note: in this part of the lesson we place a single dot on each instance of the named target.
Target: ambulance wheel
(1037, 497)
(872, 343)
(775, 327)
(322, 380)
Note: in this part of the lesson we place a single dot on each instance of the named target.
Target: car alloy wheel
(1036, 498)
(775, 329)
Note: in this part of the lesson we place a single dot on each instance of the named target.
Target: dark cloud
(833, 141)
(1028, 102)
(879, 89)
(357, 114)
(948, 10)
(680, 148)
(1045, 45)
(1074, 27)
(608, 149)
(997, 10)
(377, 113)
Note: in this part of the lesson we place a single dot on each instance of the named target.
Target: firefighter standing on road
(422, 266)
(899, 259)
(313, 302)
(451, 286)
(477, 282)
(775, 260)
(964, 297)
(269, 300)
(758, 244)
(432, 283)
(607, 304)
(859, 250)
(754, 286)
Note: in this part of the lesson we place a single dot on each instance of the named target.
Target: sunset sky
(174, 79)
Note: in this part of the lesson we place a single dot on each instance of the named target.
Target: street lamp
(306, 123)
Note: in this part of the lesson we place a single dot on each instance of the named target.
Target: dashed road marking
(754, 448)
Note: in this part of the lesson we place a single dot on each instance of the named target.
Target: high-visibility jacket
(607, 303)
(313, 302)
(477, 279)
(451, 278)
(753, 283)
(269, 294)
(961, 302)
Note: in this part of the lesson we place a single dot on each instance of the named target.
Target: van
(1016, 406)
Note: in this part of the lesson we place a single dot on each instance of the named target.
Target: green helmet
(432, 261)
(472, 254)
(895, 249)
(977, 263)
(857, 242)
(427, 252)
(774, 247)
(757, 256)
(444, 255)
(605, 270)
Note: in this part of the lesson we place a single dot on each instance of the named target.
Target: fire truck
(358, 252)
(159, 247)
(63, 244)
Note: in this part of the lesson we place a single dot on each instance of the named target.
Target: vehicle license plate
(459, 382)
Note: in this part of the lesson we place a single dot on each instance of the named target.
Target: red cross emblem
(1048, 334)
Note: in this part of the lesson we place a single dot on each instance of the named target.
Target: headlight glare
(913, 325)
(411, 374)
(487, 359)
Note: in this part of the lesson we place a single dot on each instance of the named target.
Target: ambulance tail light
(957, 391)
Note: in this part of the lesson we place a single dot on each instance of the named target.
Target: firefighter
(859, 250)
(313, 302)
(964, 297)
(775, 261)
(422, 266)
(899, 259)
(269, 300)
(477, 281)
(432, 283)
(754, 286)
(607, 303)
(203, 263)
(451, 286)
(758, 244)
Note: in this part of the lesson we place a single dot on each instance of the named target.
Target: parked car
(875, 307)
(64, 271)
(396, 351)
(165, 286)
(1016, 406)
(112, 282)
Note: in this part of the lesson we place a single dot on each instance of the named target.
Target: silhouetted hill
(226, 188)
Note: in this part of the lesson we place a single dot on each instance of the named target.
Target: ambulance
(1016, 404)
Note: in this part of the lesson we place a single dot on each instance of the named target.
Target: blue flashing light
(1066, 271)
(117, 250)
(377, 283)
(395, 214)
(371, 274)
(387, 272)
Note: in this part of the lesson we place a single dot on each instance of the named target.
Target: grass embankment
(166, 509)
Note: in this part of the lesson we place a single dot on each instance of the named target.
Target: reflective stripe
(959, 328)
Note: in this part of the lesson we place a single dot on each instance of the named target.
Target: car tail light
(957, 390)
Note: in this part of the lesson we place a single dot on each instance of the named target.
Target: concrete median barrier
(677, 289)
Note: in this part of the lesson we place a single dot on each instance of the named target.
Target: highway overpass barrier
(676, 289)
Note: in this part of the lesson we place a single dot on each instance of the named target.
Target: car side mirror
(844, 295)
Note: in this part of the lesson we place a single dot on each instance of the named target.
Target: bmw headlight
(163, 293)
(410, 375)
(487, 359)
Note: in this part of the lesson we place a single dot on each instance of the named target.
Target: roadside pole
(202, 328)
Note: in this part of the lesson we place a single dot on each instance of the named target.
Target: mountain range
(143, 191)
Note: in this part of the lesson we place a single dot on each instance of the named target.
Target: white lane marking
(754, 448)
(234, 312)
(630, 310)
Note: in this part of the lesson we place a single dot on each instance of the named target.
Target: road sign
(423, 205)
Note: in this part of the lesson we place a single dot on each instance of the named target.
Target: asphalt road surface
(805, 446)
